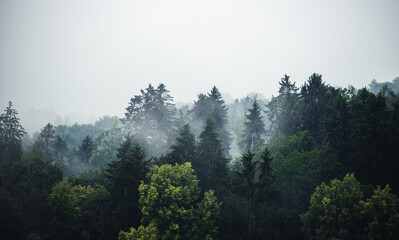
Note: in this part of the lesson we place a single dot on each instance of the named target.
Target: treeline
(168, 173)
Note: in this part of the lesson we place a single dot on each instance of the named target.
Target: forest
(313, 162)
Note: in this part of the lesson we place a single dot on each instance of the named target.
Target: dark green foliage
(78, 211)
(370, 158)
(254, 130)
(11, 133)
(124, 178)
(212, 168)
(86, 149)
(23, 202)
(184, 149)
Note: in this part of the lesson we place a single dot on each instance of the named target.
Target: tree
(213, 169)
(282, 111)
(298, 167)
(78, 211)
(184, 149)
(86, 149)
(246, 188)
(369, 157)
(254, 129)
(315, 99)
(60, 151)
(124, 176)
(212, 106)
(169, 200)
(11, 133)
(150, 118)
(45, 141)
(380, 214)
(332, 213)
(23, 201)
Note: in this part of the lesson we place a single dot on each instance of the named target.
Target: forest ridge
(314, 162)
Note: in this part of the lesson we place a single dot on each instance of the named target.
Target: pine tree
(86, 149)
(315, 100)
(282, 111)
(213, 162)
(45, 141)
(124, 176)
(60, 150)
(184, 149)
(246, 187)
(11, 133)
(212, 106)
(254, 129)
(150, 118)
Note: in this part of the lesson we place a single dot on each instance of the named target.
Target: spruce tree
(184, 149)
(212, 106)
(45, 141)
(150, 118)
(254, 131)
(11, 133)
(282, 111)
(86, 149)
(124, 176)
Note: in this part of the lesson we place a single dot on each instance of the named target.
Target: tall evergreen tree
(315, 100)
(150, 118)
(213, 163)
(124, 176)
(282, 111)
(45, 141)
(86, 149)
(246, 187)
(184, 149)
(11, 133)
(60, 150)
(254, 129)
(212, 106)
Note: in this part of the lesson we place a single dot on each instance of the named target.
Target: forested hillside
(313, 162)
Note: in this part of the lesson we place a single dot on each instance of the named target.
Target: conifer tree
(254, 129)
(246, 187)
(86, 149)
(184, 149)
(282, 111)
(45, 141)
(124, 176)
(150, 118)
(213, 106)
(11, 133)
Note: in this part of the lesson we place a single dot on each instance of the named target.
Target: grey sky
(91, 56)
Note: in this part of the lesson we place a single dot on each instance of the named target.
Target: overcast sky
(91, 56)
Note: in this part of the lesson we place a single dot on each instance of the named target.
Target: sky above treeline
(89, 57)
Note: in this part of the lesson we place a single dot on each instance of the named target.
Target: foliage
(381, 215)
(124, 178)
(11, 133)
(213, 107)
(150, 117)
(170, 205)
(332, 213)
(77, 210)
(86, 149)
(254, 130)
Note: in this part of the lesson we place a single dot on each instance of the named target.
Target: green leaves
(337, 211)
(169, 200)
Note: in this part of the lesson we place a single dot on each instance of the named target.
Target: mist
(90, 57)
